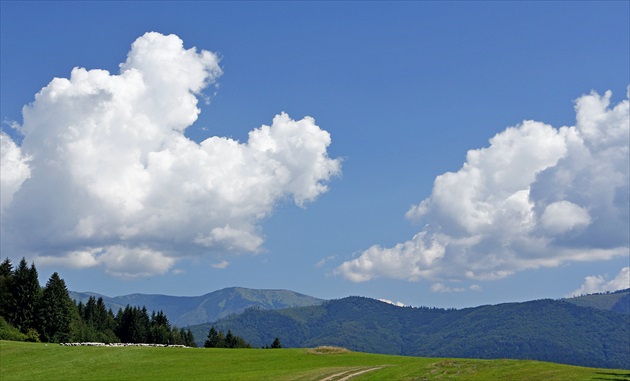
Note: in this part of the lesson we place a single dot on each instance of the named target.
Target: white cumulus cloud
(598, 283)
(106, 177)
(537, 196)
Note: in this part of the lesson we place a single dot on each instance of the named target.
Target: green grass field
(35, 361)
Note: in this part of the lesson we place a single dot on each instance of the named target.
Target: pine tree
(213, 339)
(7, 304)
(6, 268)
(276, 344)
(160, 331)
(230, 340)
(190, 339)
(55, 311)
(125, 324)
(26, 293)
(81, 310)
(77, 326)
(101, 318)
(176, 336)
(221, 340)
(143, 325)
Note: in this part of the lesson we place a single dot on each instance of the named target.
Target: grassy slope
(30, 361)
(616, 301)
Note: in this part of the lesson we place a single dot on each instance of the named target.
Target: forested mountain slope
(547, 330)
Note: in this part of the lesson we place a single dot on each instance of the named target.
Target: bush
(8, 332)
(32, 335)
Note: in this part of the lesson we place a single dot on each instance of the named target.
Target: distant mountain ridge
(191, 310)
(588, 330)
(546, 330)
(184, 311)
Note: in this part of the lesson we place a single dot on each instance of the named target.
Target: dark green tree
(89, 313)
(143, 325)
(190, 339)
(6, 268)
(81, 309)
(213, 339)
(55, 311)
(160, 331)
(176, 336)
(230, 340)
(100, 323)
(276, 344)
(107, 334)
(101, 318)
(7, 304)
(26, 293)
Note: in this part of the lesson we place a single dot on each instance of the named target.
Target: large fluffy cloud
(536, 196)
(105, 175)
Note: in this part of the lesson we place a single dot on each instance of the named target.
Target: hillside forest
(29, 312)
(546, 330)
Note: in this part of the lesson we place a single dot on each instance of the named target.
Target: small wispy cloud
(323, 261)
(440, 287)
(220, 265)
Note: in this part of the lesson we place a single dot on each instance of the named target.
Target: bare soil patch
(327, 350)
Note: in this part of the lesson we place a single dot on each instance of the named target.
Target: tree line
(217, 339)
(29, 312)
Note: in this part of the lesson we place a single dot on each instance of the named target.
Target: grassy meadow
(36, 361)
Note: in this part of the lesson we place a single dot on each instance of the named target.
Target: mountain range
(546, 330)
(589, 330)
(184, 311)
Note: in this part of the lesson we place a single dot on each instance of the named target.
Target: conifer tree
(26, 293)
(190, 339)
(183, 336)
(143, 325)
(230, 340)
(6, 268)
(176, 336)
(160, 331)
(7, 304)
(276, 344)
(55, 311)
(213, 339)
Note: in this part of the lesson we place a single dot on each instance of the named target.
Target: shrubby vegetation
(29, 312)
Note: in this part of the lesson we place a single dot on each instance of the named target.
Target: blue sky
(122, 197)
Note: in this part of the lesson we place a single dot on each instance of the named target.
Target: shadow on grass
(613, 376)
